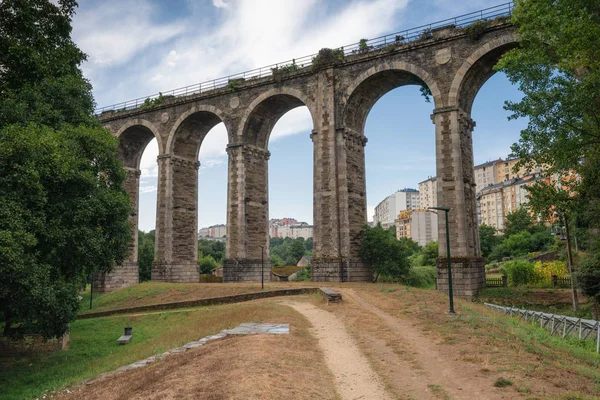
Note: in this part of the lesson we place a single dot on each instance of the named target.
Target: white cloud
(112, 32)
(220, 4)
(147, 189)
(251, 34)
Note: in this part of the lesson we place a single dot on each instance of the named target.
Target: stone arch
(362, 94)
(190, 129)
(134, 136)
(263, 113)
(476, 70)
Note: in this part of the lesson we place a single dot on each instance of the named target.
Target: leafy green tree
(212, 248)
(588, 279)
(557, 67)
(207, 263)
(387, 256)
(518, 221)
(145, 254)
(410, 245)
(63, 212)
(63, 215)
(40, 79)
(296, 250)
(308, 244)
(276, 261)
(488, 238)
(430, 253)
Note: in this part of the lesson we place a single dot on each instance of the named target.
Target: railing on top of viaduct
(462, 21)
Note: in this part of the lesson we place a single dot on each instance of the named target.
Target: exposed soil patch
(241, 367)
(354, 377)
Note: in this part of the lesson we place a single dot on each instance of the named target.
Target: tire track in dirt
(452, 376)
(355, 380)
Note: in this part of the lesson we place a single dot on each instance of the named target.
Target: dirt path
(434, 371)
(354, 377)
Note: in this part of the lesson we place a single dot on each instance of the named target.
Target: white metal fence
(584, 329)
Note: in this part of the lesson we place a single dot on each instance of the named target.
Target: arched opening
(212, 199)
(291, 189)
(133, 151)
(248, 223)
(177, 221)
(147, 209)
(388, 107)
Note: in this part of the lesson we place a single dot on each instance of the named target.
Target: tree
(488, 238)
(207, 263)
(63, 211)
(276, 261)
(557, 200)
(557, 67)
(296, 250)
(63, 215)
(588, 278)
(430, 253)
(518, 221)
(40, 79)
(387, 256)
(145, 254)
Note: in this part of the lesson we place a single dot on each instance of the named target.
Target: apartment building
(418, 225)
(387, 211)
(428, 193)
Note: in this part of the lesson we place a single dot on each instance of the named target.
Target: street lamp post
(262, 268)
(450, 294)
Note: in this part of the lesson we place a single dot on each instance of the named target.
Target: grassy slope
(501, 345)
(93, 347)
(156, 293)
(555, 301)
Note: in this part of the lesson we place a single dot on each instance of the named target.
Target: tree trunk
(570, 262)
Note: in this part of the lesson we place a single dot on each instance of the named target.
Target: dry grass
(93, 347)
(539, 365)
(248, 367)
(157, 293)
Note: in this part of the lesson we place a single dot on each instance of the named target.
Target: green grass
(93, 348)
(555, 301)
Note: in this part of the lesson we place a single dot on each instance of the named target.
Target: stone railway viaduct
(339, 96)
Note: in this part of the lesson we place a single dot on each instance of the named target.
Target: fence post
(554, 280)
(504, 281)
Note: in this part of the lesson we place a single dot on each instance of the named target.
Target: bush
(328, 57)
(520, 273)
(303, 275)
(545, 270)
(421, 277)
(476, 30)
(207, 264)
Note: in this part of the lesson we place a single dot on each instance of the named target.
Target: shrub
(207, 264)
(519, 273)
(476, 30)
(328, 57)
(303, 275)
(545, 270)
(363, 47)
(421, 277)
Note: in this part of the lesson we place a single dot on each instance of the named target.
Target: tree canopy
(40, 79)
(385, 253)
(63, 211)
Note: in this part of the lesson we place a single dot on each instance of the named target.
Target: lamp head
(441, 208)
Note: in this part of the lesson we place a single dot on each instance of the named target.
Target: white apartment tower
(387, 211)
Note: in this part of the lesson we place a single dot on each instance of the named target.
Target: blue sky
(139, 47)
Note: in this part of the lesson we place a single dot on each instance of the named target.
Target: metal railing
(402, 37)
(562, 325)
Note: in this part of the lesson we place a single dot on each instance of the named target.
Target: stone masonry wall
(339, 98)
(468, 276)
